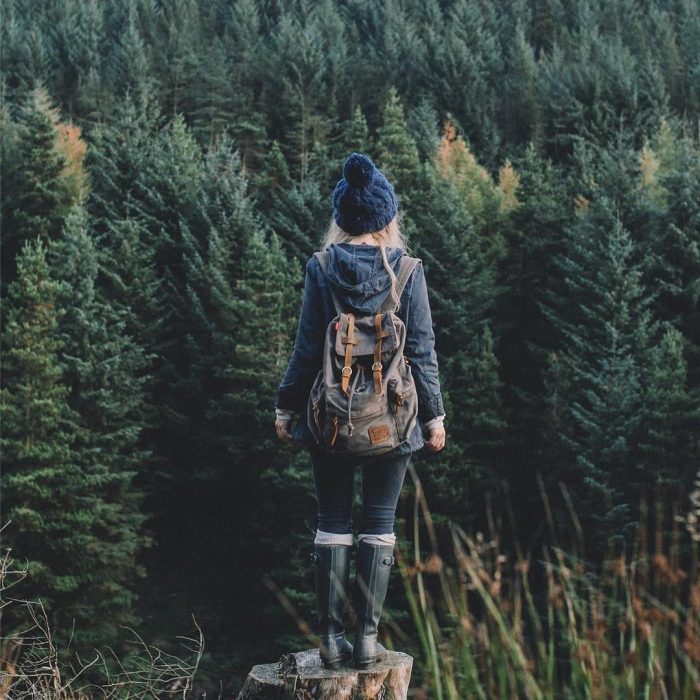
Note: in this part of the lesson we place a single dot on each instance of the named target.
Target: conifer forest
(167, 171)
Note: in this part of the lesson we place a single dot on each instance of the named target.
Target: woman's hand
(282, 428)
(436, 439)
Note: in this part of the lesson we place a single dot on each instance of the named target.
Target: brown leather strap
(377, 366)
(349, 341)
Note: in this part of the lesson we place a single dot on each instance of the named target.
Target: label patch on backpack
(378, 433)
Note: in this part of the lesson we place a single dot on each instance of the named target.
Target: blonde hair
(391, 235)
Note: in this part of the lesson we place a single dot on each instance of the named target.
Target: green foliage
(35, 195)
(64, 505)
(397, 151)
(144, 334)
(606, 328)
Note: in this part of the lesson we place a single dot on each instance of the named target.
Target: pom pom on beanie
(358, 170)
(363, 199)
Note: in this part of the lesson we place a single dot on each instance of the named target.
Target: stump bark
(301, 676)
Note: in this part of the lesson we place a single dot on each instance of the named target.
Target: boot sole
(337, 665)
(364, 665)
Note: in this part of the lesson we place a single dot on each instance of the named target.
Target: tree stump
(301, 676)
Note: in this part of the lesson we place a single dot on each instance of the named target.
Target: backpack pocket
(365, 435)
(403, 405)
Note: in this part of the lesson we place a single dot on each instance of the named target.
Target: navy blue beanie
(363, 199)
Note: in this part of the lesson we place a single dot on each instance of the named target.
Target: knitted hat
(363, 200)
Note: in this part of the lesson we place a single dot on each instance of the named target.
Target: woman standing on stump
(365, 247)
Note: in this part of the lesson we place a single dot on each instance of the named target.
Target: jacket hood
(356, 273)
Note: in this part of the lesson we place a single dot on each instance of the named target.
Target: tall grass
(32, 667)
(628, 629)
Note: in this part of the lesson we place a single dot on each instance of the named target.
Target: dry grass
(631, 630)
(30, 664)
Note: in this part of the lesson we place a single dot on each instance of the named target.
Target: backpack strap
(380, 334)
(408, 264)
(323, 257)
(348, 341)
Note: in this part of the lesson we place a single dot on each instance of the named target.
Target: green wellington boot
(373, 566)
(332, 576)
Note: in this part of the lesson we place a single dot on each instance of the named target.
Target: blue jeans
(334, 481)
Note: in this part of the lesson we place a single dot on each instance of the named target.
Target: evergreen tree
(356, 136)
(302, 83)
(423, 123)
(471, 61)
(130, 70)
(676, 245)
(103, 368)
(242, 42)
(462, 293)
(397, 152)
(36, 196)
(295, 211)
(55, 508)
(672, 417)
(525, 276)
(607, 331)
(117, 155)
(521, 117)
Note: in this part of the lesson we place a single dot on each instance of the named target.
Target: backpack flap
(364, 334)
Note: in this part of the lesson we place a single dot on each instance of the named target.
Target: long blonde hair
(391, 235)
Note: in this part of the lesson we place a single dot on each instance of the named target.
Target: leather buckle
(348, 372)
(376, 366)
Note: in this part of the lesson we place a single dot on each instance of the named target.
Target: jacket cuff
(283, 414)
(434, 422)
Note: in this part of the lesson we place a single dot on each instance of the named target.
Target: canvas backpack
(363, 401)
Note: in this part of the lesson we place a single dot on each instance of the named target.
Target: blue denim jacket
(357, 273)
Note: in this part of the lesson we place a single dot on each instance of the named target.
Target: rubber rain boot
(373, 568)
(332, 576)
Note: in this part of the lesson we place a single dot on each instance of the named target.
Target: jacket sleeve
(420, 349)
(305, 362)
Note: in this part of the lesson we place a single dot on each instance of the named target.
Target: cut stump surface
(301, 676)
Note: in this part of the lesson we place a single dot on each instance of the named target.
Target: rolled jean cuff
(333, 538)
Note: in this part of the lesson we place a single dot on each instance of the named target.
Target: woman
(366, 244)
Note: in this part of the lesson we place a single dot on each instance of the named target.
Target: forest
(166, 173)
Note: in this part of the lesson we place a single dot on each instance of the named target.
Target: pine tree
(78, 33)
(103, 367)
(525, 336)
(130, 69)
(462, 293)
(397, 152)
(521, 116)
(54, 507)
(117, 155)
(302, 81)
(36, 194)
(423, 122)
(295, 211)
(607, 331)
(242, 41)
(672, 417)
(469, 63)
(675, 271)
(356, 136)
